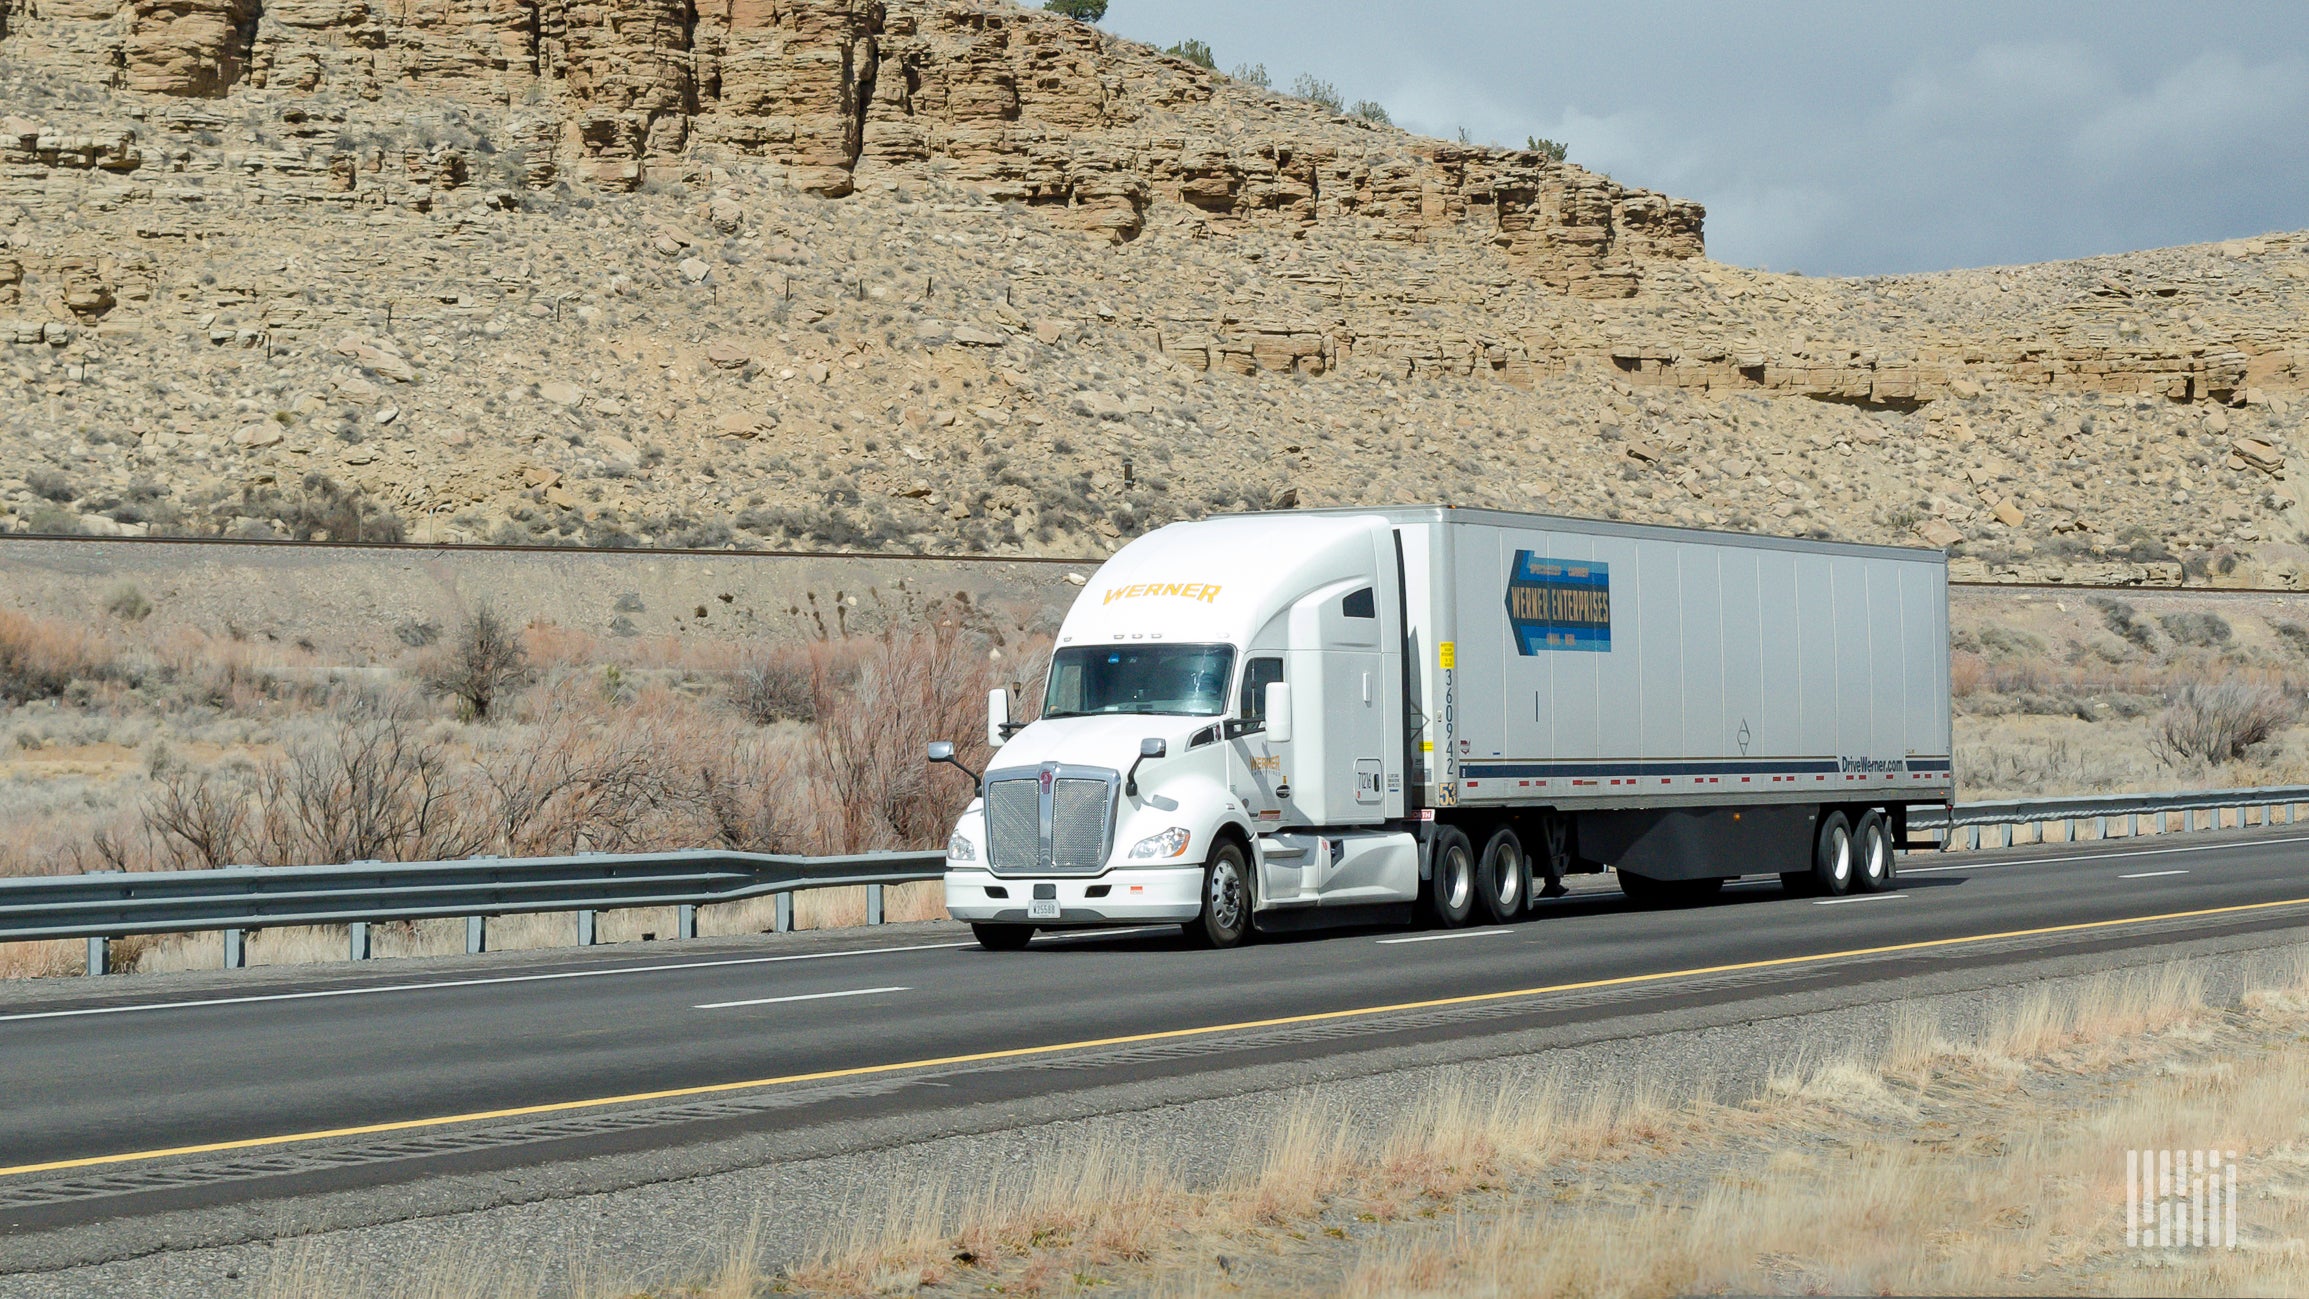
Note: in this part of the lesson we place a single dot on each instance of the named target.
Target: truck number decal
(1559, 604)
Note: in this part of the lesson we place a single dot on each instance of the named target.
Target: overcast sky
(1843, 138)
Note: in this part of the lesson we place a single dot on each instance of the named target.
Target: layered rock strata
(1025, 105)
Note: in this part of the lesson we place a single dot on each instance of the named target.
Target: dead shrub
(40, 659)
(2216, 722)
(1966, 673)
(580, 782)
(482, 664)
(871, 734)
(776, 686)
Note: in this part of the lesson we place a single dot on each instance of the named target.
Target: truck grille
(1050, 819)
(1014, 822)
(1078, 823)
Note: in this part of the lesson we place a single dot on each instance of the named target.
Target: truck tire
(1872, 865)
(1001, 938)
(1503, 878)
(1451, 893)
(1832, 856)
(1226, 917)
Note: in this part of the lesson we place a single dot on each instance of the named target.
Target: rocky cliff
(961, 275)
(1021, 104)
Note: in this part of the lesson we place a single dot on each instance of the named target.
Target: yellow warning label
(1427, 746)
(1447, 655)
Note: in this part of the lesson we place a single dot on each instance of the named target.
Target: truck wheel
(1872, 867)
(1001, 938)
(1832, 856)
(1226, 917)
(1503, 878)
(1451, 893)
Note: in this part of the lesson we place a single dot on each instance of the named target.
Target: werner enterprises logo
(1207, 592)
(1559, 604)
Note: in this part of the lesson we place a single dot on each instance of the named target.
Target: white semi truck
(1270, 721)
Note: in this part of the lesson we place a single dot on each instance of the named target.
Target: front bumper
(1118, 897)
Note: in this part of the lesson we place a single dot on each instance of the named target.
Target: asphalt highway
(214, 1092)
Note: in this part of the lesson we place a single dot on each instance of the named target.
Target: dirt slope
(961, 276)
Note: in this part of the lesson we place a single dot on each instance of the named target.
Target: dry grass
(41, 658)
(1983, 1164)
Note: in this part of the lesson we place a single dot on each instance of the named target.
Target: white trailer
(1268, 721)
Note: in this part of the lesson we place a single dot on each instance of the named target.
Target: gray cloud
(1846, 139)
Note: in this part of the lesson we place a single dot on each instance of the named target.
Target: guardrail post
(1975, 837)
(2100, 827)
(585, 928)
(100, 956)
(2068, 829)
(2289, 808)
(476, 935)
(236, 949)
(357, 939)
(873, 904)
(685, 921)
(2132, 825)
(2008, 832)
(782, 916)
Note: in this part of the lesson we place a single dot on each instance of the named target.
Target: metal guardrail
(107, 905)
(234, 900)
(2106, 811)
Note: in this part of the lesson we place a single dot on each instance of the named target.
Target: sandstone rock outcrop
(1026, 106)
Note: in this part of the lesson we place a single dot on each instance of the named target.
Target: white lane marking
(1047, 937)
(1858, 897)
(2106, 856)
(800, 996)
(2149, 875)
(1430, 938)
(469, 983)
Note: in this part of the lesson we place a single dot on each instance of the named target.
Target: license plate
(1042, 909)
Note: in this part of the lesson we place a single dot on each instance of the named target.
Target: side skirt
(1300, 919)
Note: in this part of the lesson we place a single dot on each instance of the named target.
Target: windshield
(1169, 680)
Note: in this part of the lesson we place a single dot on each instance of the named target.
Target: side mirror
(943, 751)
(1278, 712)
(997, 716)
(1150, 747)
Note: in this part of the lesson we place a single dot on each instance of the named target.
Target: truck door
(1357, 696)
(1256, 769)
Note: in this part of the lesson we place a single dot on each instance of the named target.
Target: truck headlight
(959, 848)
(1170, 843)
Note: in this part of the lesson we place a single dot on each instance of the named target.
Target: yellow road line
(1087, 1044)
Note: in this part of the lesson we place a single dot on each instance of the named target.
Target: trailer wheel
(1503, 878)
(1226, 917)
(1832, 856)
(1872, 865)
(1001, 938)
(1451, 893)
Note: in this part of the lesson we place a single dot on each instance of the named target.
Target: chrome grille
(1078, 815)
(1014, 823)
(1050, 819)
